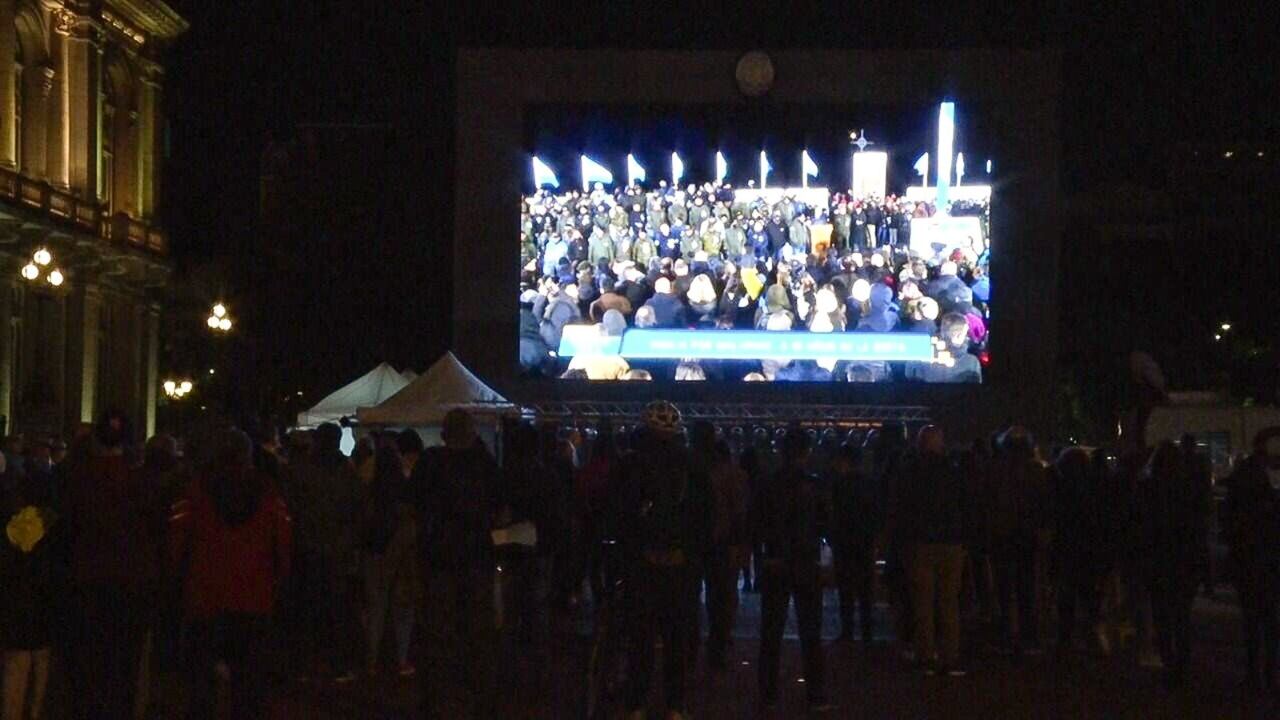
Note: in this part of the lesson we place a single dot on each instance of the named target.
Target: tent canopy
(447, 385)
(370, 389)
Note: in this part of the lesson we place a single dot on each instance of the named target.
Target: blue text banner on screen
(652, 344)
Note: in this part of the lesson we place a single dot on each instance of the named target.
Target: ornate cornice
(153, 18)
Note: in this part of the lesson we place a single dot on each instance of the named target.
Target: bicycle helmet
(662, 417)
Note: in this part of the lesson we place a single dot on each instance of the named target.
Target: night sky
(363, 276)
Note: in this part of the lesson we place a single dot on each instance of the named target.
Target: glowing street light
(219, 319)
(42, 257)
(56, 278)
(30, 271)
(177, 390)
(1226, 327)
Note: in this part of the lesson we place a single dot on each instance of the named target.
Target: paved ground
(865, 682)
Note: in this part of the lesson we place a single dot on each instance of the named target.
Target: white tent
(409, 375)
(371, 389)
(447, 385)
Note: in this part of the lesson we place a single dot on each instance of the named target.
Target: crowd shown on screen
(706, 257)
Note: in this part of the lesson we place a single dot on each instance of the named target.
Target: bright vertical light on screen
(677, 168)
(593, 171)
(765, 167)
(543, 175)
(635, 171)
(946, 143)
(722, 167)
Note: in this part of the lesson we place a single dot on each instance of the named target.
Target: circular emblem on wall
(755, 73)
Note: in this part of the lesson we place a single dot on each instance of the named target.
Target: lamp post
(219, 320)
(40, 265)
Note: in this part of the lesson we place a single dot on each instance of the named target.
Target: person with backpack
(29, 582)
(231, 538)
(663, 523)
(387, 542)
(790, 519)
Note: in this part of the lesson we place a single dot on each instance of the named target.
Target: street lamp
(177, 389)
(40, 259)
(218, 319)
(56, 278)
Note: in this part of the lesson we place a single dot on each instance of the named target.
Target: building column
(82, 352)
(6, 350)
(57, 144)
(8, 87)
(84, 112)
(145, 148)
(151, 373)
(34, 134)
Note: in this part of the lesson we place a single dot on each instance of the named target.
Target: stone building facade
(81, 139)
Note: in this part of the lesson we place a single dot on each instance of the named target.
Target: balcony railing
(87, 216)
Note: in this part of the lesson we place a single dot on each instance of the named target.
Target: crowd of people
(245, 557)
(990, 543)
(705, 257)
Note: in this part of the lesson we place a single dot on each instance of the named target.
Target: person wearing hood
(883, 314)
(534, 352)
(562, 310)
(948, 290)
(233, 534)
(668, 311)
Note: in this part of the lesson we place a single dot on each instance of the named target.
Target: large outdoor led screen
(765, 243)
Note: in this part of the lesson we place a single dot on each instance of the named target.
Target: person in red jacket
(230, 541)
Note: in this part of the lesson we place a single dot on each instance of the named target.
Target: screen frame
(1017, 92)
